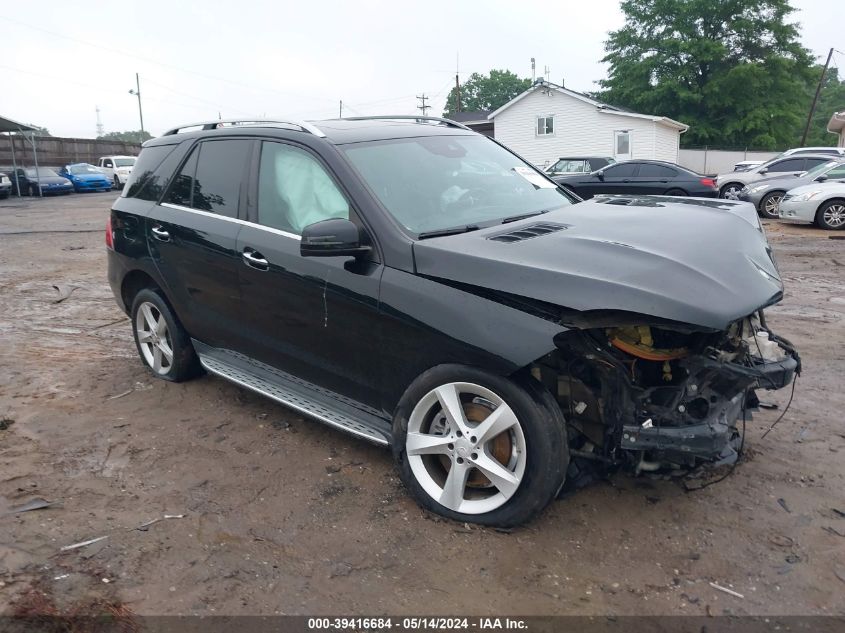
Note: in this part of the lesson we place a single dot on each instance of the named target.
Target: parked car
(641, 177)
(28, 181)
(822, 203)
(117, 168)
(482, 322)
(745, 165)
(731, 183)
(829, 151)
(578, 165)
(5, 186)
(86, 177)
(766, 194)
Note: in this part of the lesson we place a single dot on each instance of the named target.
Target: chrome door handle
(254, 259)
(160, 234)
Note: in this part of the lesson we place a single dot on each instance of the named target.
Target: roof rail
(305, 126)
(409, 117)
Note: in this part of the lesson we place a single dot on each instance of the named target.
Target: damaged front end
(653, 394)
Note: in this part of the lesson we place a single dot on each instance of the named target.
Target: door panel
(313, 317)
(192, 236)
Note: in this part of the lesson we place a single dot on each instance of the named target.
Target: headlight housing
(807, 195)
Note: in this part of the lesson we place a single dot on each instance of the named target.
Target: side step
(308, 401)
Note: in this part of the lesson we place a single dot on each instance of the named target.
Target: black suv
(418, 285)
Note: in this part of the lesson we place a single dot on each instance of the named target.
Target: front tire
(676, 192)
(730, 191)
(831, 215)
(161, 341)
(116, 182)
(770, 203)
(481, 448)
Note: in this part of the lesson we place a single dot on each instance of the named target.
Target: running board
(310, 402)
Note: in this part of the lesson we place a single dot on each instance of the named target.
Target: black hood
(694, 261)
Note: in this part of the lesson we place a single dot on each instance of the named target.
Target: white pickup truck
(117, 168)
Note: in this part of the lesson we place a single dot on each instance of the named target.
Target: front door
(622, 145)
(192, 236)
(315, 318)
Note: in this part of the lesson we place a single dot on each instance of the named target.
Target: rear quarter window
(148, 180)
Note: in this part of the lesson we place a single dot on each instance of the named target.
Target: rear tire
(676, 192)
(162, 343)
(769, 205)
(831, 215)
(116, 182)
(458, 463)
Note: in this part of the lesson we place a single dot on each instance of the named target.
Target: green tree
(734, 70)
(130, 136)
(831, 99)
(481, 92)
(40, 131)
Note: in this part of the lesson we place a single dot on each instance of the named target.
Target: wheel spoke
(148, 317)
(161, 325)
(165, 349)
(499, 420)
(499, 476)
(453, 490)
(157, 358)
(144, 336)
(450, 401)
(424, 444)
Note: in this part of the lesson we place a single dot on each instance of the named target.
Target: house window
(545, 125)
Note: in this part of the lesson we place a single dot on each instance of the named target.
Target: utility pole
(547, 72)
(423, 107)
(340, 113)
(815, 99)
(533, 70)
(457, 82)
(137, 93)
(100, 129)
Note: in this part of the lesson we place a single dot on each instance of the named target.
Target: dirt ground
(283, 515)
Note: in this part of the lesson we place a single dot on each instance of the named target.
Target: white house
(836, 125)
(548, 121)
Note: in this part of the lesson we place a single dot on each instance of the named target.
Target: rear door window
(647, 170)
(219, 175)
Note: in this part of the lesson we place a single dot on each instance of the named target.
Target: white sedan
(822, 203)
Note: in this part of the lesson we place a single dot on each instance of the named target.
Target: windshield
(432, 183)
(124, 162)
(818, 170)
(42, 172)
(84, 169)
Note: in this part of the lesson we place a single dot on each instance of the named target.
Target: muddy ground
(283, 515)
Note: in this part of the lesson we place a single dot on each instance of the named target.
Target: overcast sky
(60, 60)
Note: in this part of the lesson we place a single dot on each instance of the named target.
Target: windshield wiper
(514, 218)
(444, 232)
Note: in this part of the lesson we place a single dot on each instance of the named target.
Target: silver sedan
(820, 203)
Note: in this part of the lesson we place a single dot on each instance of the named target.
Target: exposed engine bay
(659, 395)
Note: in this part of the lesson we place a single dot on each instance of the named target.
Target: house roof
(836, 123)
(9, 125)
(478, 116)
(601, 107)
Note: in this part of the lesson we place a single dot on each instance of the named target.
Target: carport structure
(9, 127)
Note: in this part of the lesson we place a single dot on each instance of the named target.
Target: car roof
(584, 157)
(337, 131)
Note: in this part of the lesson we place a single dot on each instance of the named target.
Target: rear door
(313, 317)
(654, 179)
(192, 236)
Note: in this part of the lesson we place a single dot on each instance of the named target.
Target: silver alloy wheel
(731, 192)
(772, 205)
(154, 338)
(834, 215)
(459, 461)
